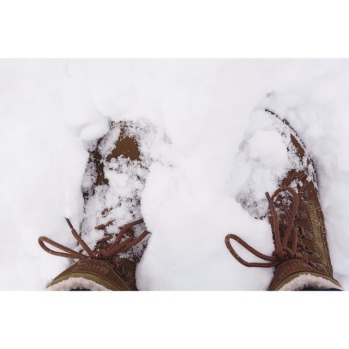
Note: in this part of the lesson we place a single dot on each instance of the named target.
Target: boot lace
(124, 240)
(283, 208)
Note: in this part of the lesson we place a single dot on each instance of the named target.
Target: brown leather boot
(301, 257)
(112, 234)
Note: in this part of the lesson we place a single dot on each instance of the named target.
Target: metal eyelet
(304, 233)
(301, 215)
(300, 232)
(316, 255)
(318, 266)
(307, 249)
(308, 235)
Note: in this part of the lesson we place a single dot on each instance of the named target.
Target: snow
(268, 148)
(219, 150)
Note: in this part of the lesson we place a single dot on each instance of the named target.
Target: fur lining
(308, 280)
(76, 283)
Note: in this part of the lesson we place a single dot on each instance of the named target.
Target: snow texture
(118, 203)
(264, 158)
(221, 154)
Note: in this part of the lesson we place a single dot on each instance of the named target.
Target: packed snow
(219, 153)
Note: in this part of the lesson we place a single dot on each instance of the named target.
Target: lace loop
(283, 207)
(68, 252)
(270, 259)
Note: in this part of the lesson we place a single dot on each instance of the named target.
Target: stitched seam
(101, 277)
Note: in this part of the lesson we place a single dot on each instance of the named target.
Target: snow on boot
(112, 234)
(301, 258)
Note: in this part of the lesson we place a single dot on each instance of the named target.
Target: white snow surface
(220, 149)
